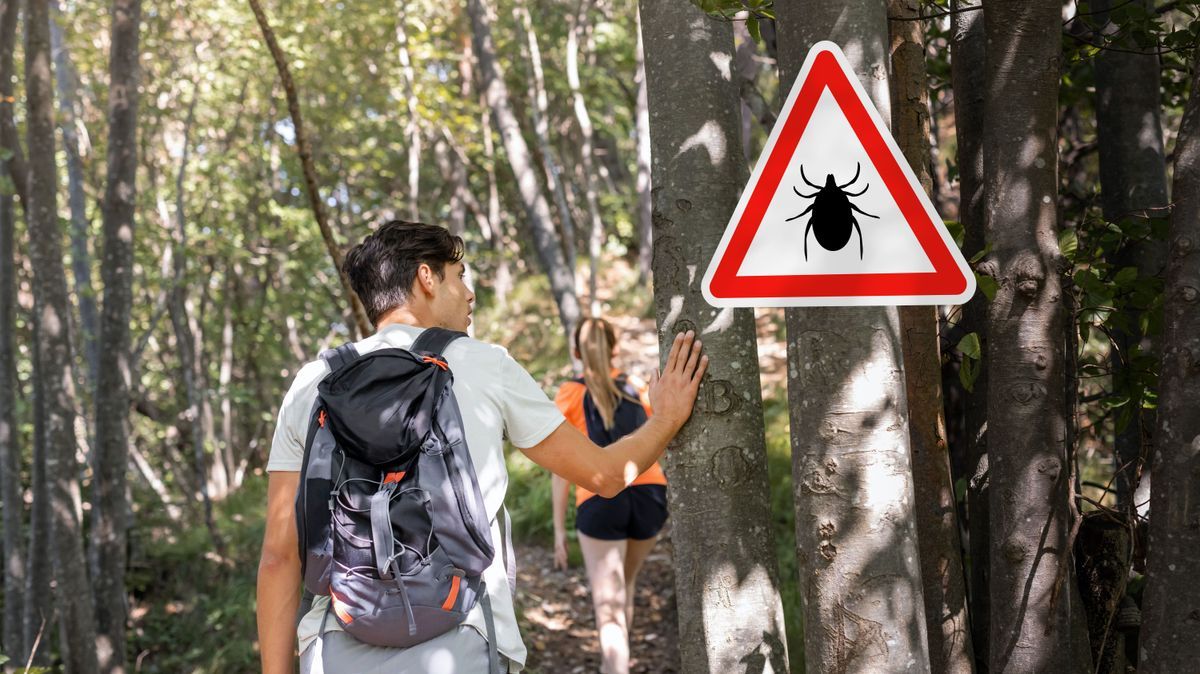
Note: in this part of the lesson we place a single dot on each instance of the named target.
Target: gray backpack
(389, 513)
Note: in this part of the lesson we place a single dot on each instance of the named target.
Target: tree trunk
(109, 502)
(78, 629)
(645, 201)
(856, 536)
(362, 322)
(68, 86)
(1172, 602)
(38, 618)
(185, 340)
(586, 150)
(541, 126)
(726, 576)
(1035, 607)
(12, 640)
(1133, 189)
(947, 624)
(549, 247)
(968, 71)
(412, 128)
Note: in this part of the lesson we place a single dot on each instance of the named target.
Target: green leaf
(1068, 243)
(957, 231)
(987, 285)
(968, 372)
(754, 28)
(1125, 276)
(1113, 402)
(969, 346)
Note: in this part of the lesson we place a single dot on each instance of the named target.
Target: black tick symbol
(832, 213)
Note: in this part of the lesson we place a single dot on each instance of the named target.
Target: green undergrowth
(193, 609)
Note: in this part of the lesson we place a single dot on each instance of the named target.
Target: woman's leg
(605, 562)
(636, 553)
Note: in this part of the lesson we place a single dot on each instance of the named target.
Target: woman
(615, 535)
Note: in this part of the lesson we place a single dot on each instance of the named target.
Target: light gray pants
(460, 651)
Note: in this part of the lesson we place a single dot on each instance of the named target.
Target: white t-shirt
(497, 398)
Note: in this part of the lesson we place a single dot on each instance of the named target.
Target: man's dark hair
(383, 267)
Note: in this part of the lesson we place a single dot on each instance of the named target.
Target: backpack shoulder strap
(340, 357)
(435, 340)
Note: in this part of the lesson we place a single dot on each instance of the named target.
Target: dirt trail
(560, 630)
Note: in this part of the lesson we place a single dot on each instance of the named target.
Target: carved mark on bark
(718, 397)
(729, 466)
(817, 479)
(683, 325)
(1026, 392)
(666, 252)
(852, 636)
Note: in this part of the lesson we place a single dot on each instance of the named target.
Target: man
(409, 276)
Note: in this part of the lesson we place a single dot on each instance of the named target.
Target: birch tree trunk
(1133, 187)
(545, 237)
(412, 128)
(1034, 602)
(947, 624)
(109, 502)
(12, 638)
(856, 535)
(645, 201)
(586, 150)
(968, 69)
(1169, 640)
(541, 126)
(77, 622)
(726, 577)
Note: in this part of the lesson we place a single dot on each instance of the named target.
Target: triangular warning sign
(833, 214)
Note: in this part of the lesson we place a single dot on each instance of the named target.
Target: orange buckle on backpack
(321, 419)
(440, 363)
(393, 477)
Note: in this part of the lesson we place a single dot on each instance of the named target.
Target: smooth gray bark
(1170, 638)
(586, 149)
(12, 639)
(545, 236)
(856, 535)
(1035, 608)
(645, 206)
(726, 576)
(1133, 187)
(77, 629)
(943, 585)
(110, 506)
(967, 74)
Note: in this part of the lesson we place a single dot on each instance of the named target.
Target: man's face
(452, 299)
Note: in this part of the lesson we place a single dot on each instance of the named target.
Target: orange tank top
(570, 401)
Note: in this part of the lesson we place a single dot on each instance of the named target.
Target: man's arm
(570, 454)
(279, 577)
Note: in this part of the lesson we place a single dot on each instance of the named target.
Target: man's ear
(425, 280)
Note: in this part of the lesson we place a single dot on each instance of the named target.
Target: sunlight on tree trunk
(1036, 614)
(726, 575)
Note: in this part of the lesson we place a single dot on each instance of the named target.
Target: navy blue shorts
(638, 512)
